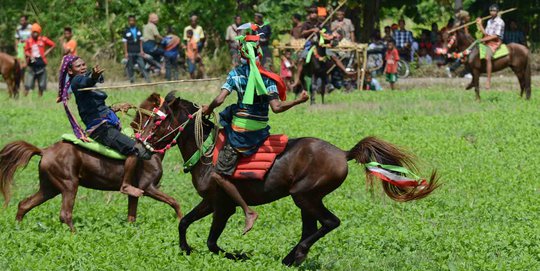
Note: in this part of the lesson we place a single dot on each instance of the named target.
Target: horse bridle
(158, 112)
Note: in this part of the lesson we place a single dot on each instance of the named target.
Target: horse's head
(162, 120)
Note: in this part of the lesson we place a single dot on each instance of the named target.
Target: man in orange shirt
(69, 45)
(36, 54)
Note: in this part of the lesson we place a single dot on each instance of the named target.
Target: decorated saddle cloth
(501, 51)
(255, 167)
(97, 147)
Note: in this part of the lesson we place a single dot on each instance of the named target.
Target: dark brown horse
(308, 170)
(518, 60)
(64, 167)
(10, 69)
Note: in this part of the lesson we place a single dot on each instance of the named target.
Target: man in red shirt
(36, 54)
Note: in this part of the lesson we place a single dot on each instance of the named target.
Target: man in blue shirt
(133, 51)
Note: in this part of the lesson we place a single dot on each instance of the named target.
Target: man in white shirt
(493, 35)
(343, 24)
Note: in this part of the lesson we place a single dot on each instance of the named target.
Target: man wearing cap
(265, 33)
(493, 35)
(36, 54)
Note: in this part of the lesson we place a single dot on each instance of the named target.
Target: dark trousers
(111, 137)
(132, 59)
(171, 68)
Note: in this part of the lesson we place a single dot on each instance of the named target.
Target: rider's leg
(110, 136)
(489, 56)
(226, 165)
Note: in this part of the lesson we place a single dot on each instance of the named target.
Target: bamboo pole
(153, 84)
(364, 66)
(483, 18)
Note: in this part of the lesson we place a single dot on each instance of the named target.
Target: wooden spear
(152, 84)
(483, 18)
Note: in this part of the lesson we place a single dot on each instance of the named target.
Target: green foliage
(484, 217)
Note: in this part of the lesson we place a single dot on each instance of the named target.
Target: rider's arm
(216, 102)
(279, 106)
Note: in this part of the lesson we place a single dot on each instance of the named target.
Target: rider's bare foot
(250, 220)
(131, 190)
(488, 85)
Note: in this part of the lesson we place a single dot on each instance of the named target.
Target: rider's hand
(303, 97)
(478, 20)
(58, 99)
(96, 72)
(141, 54)
(206, 110)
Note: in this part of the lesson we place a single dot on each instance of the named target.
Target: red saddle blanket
(256, 165)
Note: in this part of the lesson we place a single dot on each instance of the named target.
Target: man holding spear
(493, 35)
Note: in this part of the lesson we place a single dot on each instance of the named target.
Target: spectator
(433, 33)
(35, 52)
(133, 50)
(387, 34)
(151, 37)
(513, 34)
(371, 83)
(69, 45)
(296, 32)
(423, 57)
(198, 32)
(344, 24)
(22, 33)
(192, 54)
(230, 38)
(266, 34)
(404, 41)
(392, 58)
(286, 69)
(425, 42)
(171, 43)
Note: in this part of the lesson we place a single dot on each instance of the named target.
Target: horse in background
(518, 59)
(10, 69)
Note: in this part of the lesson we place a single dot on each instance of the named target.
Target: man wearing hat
(36, 55)
(493, 35)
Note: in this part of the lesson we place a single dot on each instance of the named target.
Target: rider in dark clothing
(101, 122)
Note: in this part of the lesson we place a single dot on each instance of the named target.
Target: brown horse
(10, 69)
(308, 170)
(518, 60)
(64, 167)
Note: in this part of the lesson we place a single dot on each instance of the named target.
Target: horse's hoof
(186, 249)
(237, 256)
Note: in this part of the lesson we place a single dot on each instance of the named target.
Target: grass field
(484, 217)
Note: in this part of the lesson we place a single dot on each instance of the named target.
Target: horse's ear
(154, 98)
(171, 96)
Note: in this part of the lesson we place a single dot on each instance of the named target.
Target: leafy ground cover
(484, 217)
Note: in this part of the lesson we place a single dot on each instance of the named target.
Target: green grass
(484, 217)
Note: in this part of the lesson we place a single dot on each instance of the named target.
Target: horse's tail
(17, 74)
(372, 149)
(12, 156)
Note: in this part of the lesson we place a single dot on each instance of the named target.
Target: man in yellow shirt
(198, 32)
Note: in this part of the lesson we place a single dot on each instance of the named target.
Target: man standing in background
(151, 38)
(264, 42)
(34, 50)
(344, 24)
(198, 33)
(69, 45)
(133, 50)
(230, 38)
(22, 33)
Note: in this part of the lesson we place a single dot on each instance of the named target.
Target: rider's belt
(249, 124)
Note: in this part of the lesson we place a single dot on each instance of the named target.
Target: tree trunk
(458, 5)
(370, 13)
